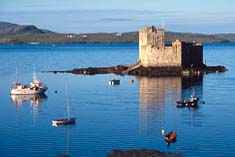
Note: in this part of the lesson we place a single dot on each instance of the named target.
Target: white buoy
(163, 132)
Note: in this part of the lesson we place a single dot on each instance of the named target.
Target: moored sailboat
(65, 121)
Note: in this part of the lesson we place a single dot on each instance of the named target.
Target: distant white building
(70, 35)
(118, 34)
(84, 36)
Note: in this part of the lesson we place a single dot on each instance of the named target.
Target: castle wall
(142, 40)
(192, 55)
(153, 56)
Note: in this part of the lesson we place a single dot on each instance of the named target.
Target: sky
(86, 16)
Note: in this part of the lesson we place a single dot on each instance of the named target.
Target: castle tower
(151, 36)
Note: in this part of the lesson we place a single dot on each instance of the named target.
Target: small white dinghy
(114, 82)
(65, 121)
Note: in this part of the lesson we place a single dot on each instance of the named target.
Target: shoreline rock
(142, 153)
(142, 71)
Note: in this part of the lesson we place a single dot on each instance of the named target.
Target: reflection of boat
(65, 121)
(66, 154)
(35, 87)
(114, 82)
(34, 99)
(191, 102)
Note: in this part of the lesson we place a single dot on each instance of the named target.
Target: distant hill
(190, 37)
(14, 29)
(228, 36)
(23, 34)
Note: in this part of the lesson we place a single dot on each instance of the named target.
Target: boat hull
(187, 103)
(170, 137)
(65, 121)
(114, 82)
(28, 91)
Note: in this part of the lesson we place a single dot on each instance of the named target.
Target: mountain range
(14, 29)
(22, 34)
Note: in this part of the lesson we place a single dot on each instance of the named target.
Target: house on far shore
(153, 52)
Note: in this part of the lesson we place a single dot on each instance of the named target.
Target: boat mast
(67, 102)
(193, 92)
(163, 23)
(17, 77)
(34, 74)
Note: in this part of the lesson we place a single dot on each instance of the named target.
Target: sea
(124, 117)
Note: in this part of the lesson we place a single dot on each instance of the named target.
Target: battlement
(152, 36)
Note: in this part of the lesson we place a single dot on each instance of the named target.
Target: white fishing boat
(35, 87)
(65, 121)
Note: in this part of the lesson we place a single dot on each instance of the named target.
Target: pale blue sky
(205, 16)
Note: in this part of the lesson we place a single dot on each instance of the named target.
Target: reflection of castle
(157, 94)
(154, 92)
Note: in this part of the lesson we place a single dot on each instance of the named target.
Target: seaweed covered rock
(142, 153)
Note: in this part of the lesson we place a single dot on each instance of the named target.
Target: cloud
(117, 19)
(80, 21)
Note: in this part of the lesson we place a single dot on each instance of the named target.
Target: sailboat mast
(34, 73)
(163, 23)
(67, 102)
(17, 77)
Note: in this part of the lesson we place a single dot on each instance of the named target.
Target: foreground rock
(142, 153)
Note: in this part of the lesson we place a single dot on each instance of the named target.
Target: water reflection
(66, 152)
(18, 100)
(157, 95)
(155, 92)
(34, 100)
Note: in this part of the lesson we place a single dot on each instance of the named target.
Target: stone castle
(153, 52)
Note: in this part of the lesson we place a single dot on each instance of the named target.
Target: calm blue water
(128, 116)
